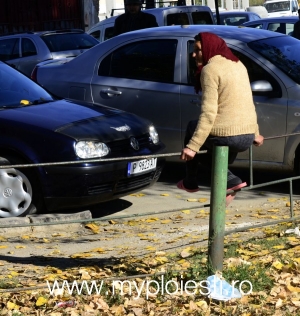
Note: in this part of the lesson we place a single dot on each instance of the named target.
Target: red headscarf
(212, 45)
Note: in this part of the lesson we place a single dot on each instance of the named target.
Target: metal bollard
(217, 209)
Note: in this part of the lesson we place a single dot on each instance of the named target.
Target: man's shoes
(230, 197)
(181, 186)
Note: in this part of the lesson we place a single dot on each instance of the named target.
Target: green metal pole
(217, 209)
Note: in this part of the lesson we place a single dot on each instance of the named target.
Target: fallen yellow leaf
(150, 220)
(93, 227)
(81, 255)
(11, 305)
(41, 301)
(186, 211)
(98, 250)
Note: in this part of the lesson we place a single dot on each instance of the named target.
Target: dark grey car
(23, 51)
(150, 73)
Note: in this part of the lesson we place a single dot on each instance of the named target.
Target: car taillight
(33, 75)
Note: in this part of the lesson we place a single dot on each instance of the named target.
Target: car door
(142, 77)
(29, 56)
(9, 51)
(271, 109)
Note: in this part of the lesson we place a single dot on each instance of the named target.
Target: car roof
(231, 32)
(179, 8)
(275, 19)
(41, 33)
(236, 13)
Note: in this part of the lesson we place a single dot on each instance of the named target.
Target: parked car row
(151, 73)
(24, 50)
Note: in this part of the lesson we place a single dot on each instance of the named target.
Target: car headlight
(90, 149)
(153, 134)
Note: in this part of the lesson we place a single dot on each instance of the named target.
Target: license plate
(141, 166)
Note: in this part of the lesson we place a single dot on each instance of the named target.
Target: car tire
(19, 195)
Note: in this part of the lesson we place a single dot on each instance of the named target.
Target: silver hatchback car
(24, 50)
(150, 73)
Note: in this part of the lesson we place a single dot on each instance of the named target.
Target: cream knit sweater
(227, 107)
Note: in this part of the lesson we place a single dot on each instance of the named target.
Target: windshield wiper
(24, 103)
(40, 101)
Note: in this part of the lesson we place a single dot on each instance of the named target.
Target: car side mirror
(261, 86)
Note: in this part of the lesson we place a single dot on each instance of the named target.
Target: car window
(277, 27)
(278, 6)
(256, 25)
(9, 49)
(289, 27)
(284, 28)
(283, 52)
(96, 34)
(233, 19)
(108, 33)
(17, 89)
(28, 48)
(68, 41)
(202, 18)
(152, 60)
(178, 19)
(255, 72)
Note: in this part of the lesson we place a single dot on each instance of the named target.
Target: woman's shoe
(230, 197)
(182, 187)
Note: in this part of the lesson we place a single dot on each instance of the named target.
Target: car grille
(127, 184)
(122, 145)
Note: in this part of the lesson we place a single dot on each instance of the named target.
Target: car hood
(79, 120)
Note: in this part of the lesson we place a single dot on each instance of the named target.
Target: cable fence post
(217, 209)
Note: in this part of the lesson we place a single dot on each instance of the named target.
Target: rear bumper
(79, 186)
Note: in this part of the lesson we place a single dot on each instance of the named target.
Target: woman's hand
(187, 154)
(258, 141)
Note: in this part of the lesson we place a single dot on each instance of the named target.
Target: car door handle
(109, 91)
(195, 101)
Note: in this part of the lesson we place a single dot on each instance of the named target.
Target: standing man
(133, 18)
(296, 32)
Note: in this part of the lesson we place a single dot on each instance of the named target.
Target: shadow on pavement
(101, 209)
(62, 263)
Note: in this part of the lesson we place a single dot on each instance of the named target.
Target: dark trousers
(235, 145)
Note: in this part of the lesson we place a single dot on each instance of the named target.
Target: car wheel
(16, 192)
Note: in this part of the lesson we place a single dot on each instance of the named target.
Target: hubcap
(15, 193)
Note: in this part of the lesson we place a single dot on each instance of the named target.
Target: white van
(279, 8)
(181, 15)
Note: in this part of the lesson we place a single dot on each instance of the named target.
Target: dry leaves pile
(271, 264)
(277, 256)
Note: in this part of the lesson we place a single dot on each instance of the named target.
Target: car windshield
(69, 41)
(283, 52)
(16, 90)
(277, 6)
